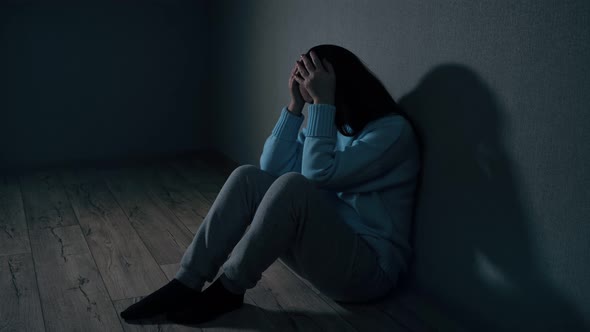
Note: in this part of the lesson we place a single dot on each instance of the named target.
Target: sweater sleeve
(283, 148)
(364, 160)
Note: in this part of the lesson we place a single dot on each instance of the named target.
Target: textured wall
(86, 80)
(499, 93)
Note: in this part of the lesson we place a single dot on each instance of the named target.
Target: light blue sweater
(372, 175)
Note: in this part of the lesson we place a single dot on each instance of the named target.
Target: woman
(334, 201)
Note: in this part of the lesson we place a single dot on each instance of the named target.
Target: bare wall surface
(86, 80)
(499, 94)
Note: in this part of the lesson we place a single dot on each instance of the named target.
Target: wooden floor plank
(165, 236)
(136, 222)
(217, 163)
(170, 270)
(201, 171)
(216, 160)
(363, 316)
(14, 238)
(308, 311)
(127, 267)
(183, 198)
(264, 297)
(45, 201)
(207, 180)
(20, 306)
(73, 295)
(72, 291)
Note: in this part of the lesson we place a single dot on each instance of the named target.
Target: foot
(215, 301)
(171, 296)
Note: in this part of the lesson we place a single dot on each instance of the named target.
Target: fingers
(294, 73)
(302, 69)
(308, 64)
(298, 74)
(296, 78)
(316, 61)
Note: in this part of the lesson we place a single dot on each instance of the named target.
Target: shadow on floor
(251, 317)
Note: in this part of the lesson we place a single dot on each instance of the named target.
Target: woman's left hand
(318, 78)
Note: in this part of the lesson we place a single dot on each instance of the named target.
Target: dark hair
(360, 95)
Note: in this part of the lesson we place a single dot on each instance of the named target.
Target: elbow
(265, 164)
(266, 167)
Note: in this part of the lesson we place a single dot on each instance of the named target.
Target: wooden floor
(79, 245)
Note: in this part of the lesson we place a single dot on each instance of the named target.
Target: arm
(283, 148)
(363, 161)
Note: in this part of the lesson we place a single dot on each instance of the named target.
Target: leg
(224, 225)
(296, 219)
(293, 215)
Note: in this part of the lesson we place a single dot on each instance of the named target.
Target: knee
(293, 179)
(243, 170)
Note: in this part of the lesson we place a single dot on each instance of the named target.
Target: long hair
(360, 95)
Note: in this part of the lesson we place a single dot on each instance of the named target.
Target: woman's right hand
(297, 101)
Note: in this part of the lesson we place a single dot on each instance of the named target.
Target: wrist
(295, 108)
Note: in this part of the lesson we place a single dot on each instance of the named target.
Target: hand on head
(317, 77)
(312, 81)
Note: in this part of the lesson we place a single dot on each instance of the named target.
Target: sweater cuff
(321, 120)
(288, 125)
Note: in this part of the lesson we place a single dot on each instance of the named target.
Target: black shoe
(170, 297)
(215, 301)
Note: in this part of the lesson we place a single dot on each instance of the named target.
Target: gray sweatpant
(291, 219)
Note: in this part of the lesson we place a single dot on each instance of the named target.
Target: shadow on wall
(473, 253)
